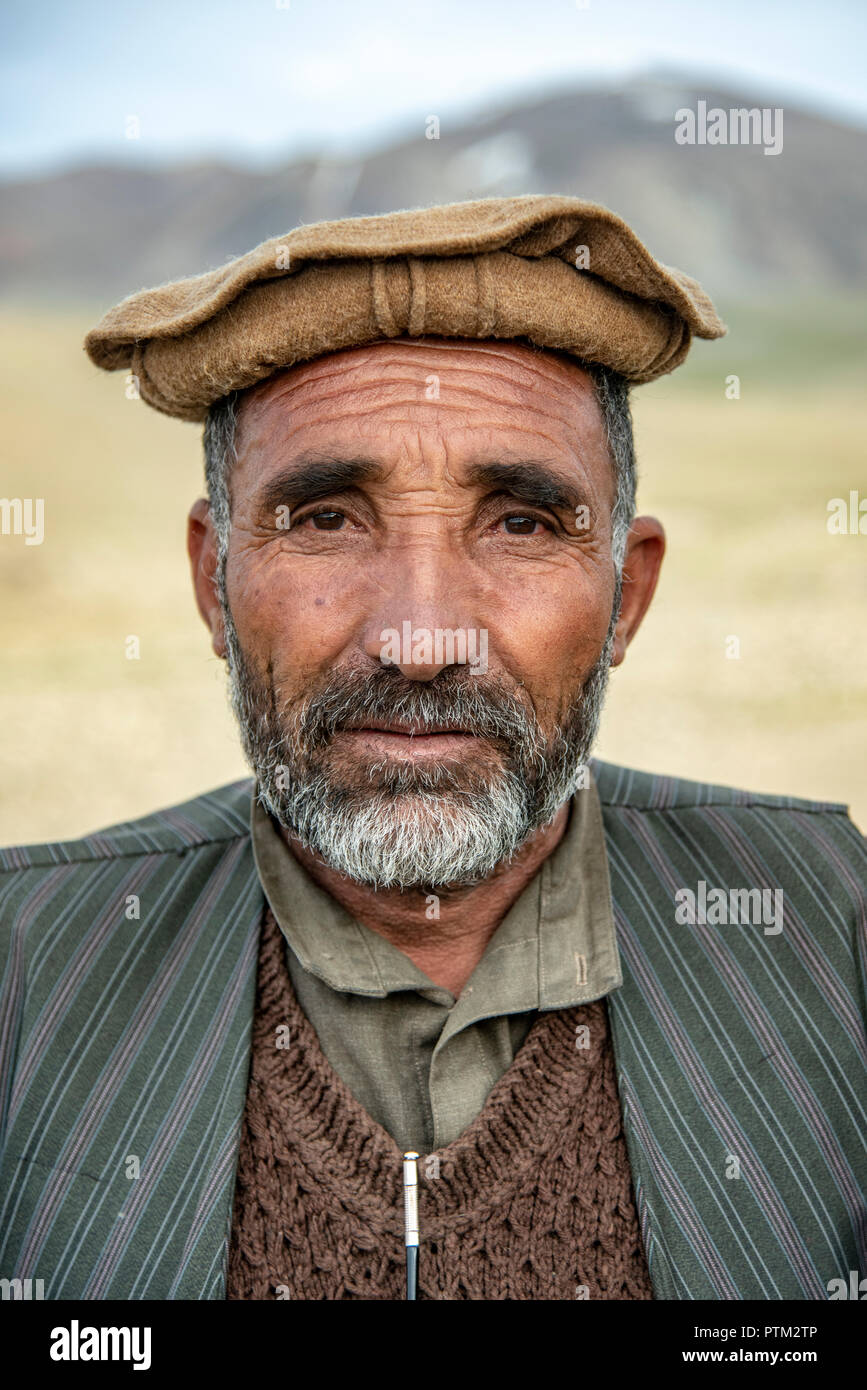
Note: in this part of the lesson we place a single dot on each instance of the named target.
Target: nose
(420, 652)
(425, 623)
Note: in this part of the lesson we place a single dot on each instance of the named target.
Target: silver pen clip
(410, 1217)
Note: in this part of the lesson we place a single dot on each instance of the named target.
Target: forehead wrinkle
(521, 357)
(335, 365)
(475, 403)
(494, 450)
(539, 379)
(486, 385)
(519, 417)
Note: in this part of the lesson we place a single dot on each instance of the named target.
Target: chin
(413, 842)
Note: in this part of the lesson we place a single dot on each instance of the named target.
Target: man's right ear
(202, 550)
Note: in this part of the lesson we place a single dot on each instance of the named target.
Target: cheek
(551, 636)
(286, 616)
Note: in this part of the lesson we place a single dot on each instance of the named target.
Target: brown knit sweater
(533, 1201)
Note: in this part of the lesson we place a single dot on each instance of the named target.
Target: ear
(645, 547)
(202, 550)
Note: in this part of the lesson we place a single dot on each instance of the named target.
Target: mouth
(409, 739)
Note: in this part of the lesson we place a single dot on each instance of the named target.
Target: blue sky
(260, 80)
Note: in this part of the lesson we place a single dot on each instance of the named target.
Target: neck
(447, 946)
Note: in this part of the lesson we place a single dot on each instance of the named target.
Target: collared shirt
(420, 1061)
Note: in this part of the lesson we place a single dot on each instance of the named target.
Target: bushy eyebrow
(315, 475)
(312, 476)
(530, 481)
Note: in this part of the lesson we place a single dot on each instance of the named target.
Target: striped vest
(127, 990)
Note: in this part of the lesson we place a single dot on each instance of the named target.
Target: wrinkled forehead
(504, 388)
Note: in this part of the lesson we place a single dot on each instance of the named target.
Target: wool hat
(550, 270)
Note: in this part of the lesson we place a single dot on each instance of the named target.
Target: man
(620, 1017)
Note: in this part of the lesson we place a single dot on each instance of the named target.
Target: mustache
(453, 699)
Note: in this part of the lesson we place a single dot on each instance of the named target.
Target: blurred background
(139, 144)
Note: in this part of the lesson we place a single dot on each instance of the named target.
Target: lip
(411, 741)
(412, 730)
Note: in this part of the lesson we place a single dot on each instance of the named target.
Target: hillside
(740, 221)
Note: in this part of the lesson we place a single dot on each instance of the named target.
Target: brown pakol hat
(551, 270)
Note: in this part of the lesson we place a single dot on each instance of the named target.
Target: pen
(410, 1216)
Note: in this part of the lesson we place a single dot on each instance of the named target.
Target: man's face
(397, 511)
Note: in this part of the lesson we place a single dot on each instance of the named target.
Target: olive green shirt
(420, 1061)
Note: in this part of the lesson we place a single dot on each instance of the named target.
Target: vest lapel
(736, 1135)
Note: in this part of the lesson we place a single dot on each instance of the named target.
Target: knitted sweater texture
(533, 1201)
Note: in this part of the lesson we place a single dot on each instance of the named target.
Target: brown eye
(327, 521)
(521, 525)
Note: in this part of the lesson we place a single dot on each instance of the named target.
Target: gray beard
(393, 824)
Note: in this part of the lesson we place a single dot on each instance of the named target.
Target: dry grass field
(88, 737)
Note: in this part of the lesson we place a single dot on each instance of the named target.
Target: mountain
(742, 221)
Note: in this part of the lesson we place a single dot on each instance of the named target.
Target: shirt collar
(555, 947)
